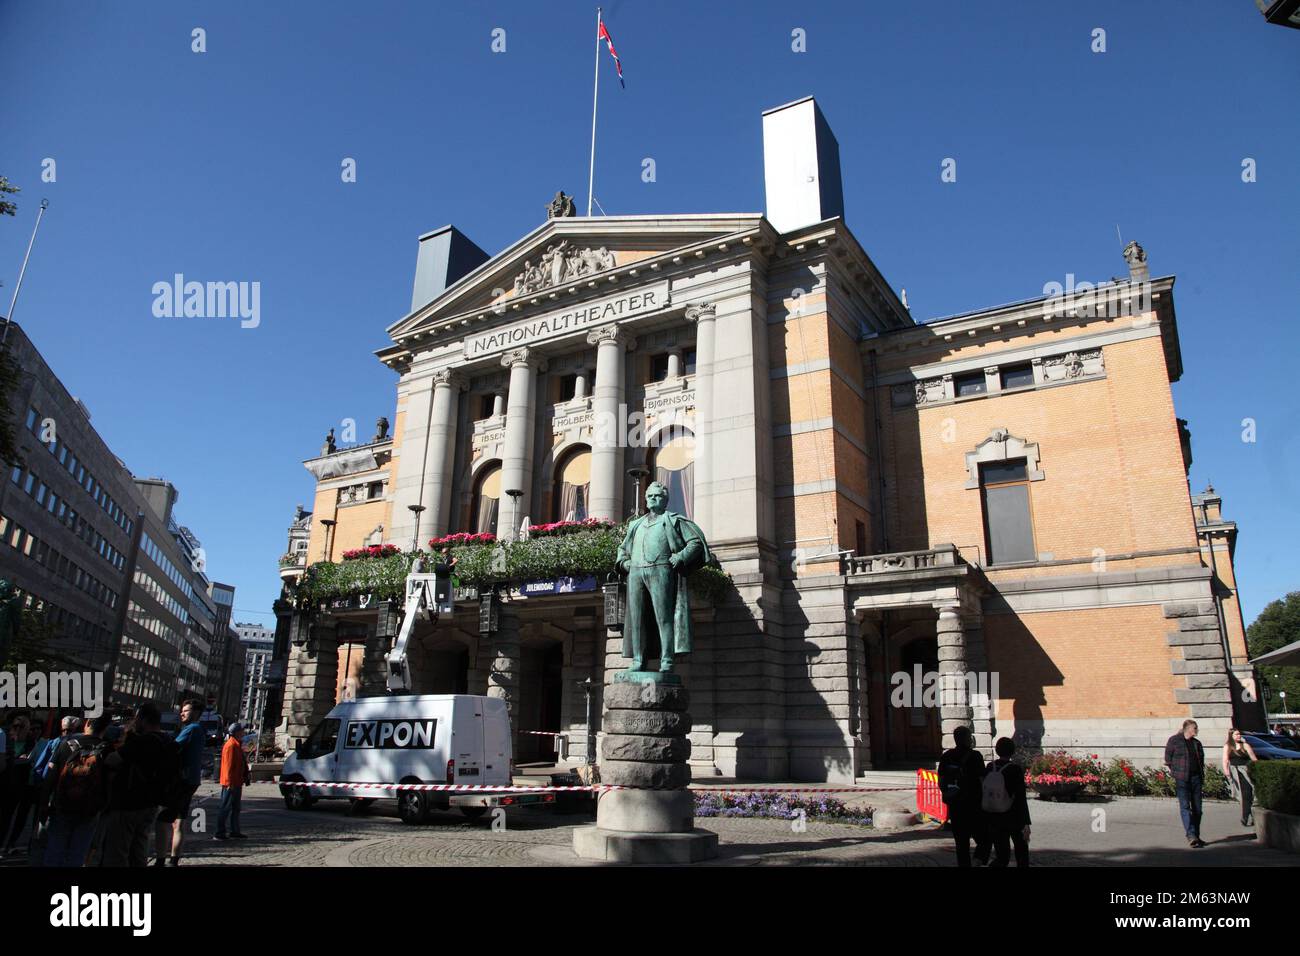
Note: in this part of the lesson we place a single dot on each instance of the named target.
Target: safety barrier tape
(502, 788)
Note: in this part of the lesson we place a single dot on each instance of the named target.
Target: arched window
(572, 486)
(674, 468)
(487, 497)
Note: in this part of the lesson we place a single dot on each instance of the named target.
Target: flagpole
(595, 92)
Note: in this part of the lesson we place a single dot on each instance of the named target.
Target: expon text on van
(390, 734)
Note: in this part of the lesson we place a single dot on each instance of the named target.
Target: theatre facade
(979, 520)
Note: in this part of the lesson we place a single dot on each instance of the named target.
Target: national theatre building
(997, 500)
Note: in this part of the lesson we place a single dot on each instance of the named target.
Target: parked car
(1269, 747)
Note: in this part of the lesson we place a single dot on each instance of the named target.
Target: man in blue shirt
(172, 818)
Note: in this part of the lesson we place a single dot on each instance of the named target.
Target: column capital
(701, 312)
(949, 609)
(615, 334)
(450, 378)
(524, 356)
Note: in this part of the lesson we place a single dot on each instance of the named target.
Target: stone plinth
(645, 748)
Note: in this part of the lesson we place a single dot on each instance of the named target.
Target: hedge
(1277, 785)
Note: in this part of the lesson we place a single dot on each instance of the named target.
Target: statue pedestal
(645, 748)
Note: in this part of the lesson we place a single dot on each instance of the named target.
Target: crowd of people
(101, 792)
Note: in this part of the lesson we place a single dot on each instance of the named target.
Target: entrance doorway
(917, 730)
(540, 709)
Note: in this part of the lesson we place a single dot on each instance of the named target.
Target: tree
(1277, 625)
(7, 207)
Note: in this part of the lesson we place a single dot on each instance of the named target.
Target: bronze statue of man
(658, 552)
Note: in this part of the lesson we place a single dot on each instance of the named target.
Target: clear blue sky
(226, 166)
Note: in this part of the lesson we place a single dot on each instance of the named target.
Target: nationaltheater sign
(601, 312)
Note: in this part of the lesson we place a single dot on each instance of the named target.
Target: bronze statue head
(656, 497)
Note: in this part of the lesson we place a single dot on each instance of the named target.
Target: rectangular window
(688, 362)
(568, 387)
(1016, 376)
(859, 538)
(1008, 517)
(32, 415)
(486, 403)
(29, 483)
(972, 383)
(659, 367)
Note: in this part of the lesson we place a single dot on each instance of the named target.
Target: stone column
(703, 316)
(983, 707)
(503, 672)
(517, 463)
(374, 667)
(316, 675)
(441, 454)
(954, 706)
(606, 498)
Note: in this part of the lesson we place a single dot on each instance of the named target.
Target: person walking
(140, 770)
(75, 794)
(234, 775)
(1238, 755)
(1006, 805)
(1185, 758)
(174, 816)
(69, 727)
(961, 773)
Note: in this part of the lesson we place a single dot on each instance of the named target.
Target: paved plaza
(1118, 831)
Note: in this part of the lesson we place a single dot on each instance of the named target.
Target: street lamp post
(328, 524)
(637, 474)
(416, 511)
(515, 494)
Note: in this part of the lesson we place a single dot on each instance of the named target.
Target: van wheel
(359, 805)
(473, 812)
(413, 807)
(297, 798)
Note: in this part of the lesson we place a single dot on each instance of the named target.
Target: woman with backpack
(1006, 805)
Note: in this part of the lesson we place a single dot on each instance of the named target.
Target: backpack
(81, 790)
(154, 782)
(995, 797)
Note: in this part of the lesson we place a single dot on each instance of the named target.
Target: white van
(430, 738)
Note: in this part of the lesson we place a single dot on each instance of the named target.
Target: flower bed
(1049, 772)
(371, 551)
(781, 806)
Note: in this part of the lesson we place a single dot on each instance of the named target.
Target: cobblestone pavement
(1138, 831)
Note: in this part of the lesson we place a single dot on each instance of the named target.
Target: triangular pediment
(568, 257)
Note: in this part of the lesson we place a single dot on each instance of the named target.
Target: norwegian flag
(603, 34)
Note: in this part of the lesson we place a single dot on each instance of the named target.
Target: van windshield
(323, 739)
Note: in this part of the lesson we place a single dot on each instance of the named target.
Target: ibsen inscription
(579, 318)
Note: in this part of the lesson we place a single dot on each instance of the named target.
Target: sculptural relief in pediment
(561, 263)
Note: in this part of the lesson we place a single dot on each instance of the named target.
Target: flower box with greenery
(482, 560)
(461, 538)
(371, 551)
(567, 527)
(293, 560)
